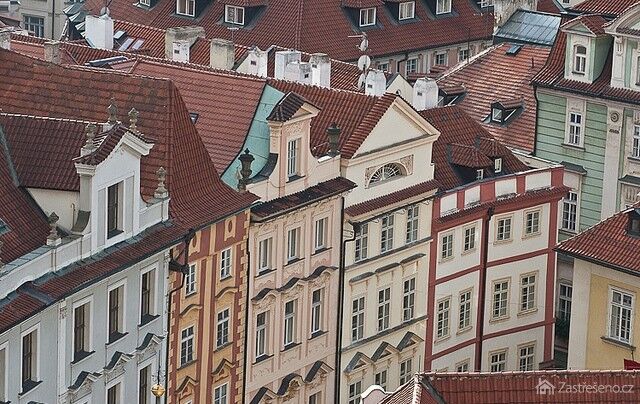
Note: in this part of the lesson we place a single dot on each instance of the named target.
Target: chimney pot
(222, 54)
(52, 52)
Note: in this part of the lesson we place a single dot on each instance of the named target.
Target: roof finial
(90, 132)
(113, 112)
(161, 191)
(53, 239)
(133, 120)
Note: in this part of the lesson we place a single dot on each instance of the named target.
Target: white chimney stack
(425, 94)
(181, 51)
(255, 63)
(320, 70)
(299, 72)
(52, 52)
(180, 35)
(99, 31)
(5, 40)
(283, 58)
(223, 54)
(375, 83)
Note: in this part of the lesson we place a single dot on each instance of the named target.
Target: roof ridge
(40, 117)
(325, 89)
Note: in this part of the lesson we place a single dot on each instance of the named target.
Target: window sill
(290, 346)
(262, 358)
(186, 295)
(294, 178)
(469, 251)
(524, 313)
(633, 159)
(572, 146)
(293, 261)
(28, 387)
(439, 340)
(506, 241)
(577, 73)
(532, 235)
(82, 356)
(320, 251)
(264, 272)
(223, 346)
(146, 319)
(498, 319)
(317, 334)
(568, 232)
(115, 338)
(111, 234)
(464, 330)
(620, 344)
(187, 364)
(227, 277)
(446, 259)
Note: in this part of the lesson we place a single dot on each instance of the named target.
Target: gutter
(482, 289)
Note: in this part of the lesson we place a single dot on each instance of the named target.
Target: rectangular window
(386, 235)
(383, 66)
(408, 299)
(526, 357)
(35, 25)
(116, 313)
(381, 379)
(469, 238)
(186, 346)
(145, 2)
(496, 115)
(357, 319)
(144, 384)
(186, 7)
(479, 174)
(113, 210)
(384, 308)
(412, 223)
(500, 300)
(289, 322)
(465, 310)
(532, 222)
(406, 10)
(503, 232)
(362, 242)
(113, 394)
(220, 394)
(293, 152)
(226, 263)
(223, 328)
(81, 331)
(293, 244)
(580, 59)
(621, 315)
(355, 390)
(442, 323)
(441, 59)
(635, 147)
(405, 371)
(447, 246)
(462, 366)
(321, 234)
(443, 6)
(29, 360)
(575, 129)
(497, 165)
(147, 298)
(261, 334)
(264, 254)
(190, 280)
(527, 292)
(234, 15)
(367, 16)
(498, 361)
(412, 66)
(463, 54)
(564, 301)
(570, 211)
(315, 398)
(316, 310)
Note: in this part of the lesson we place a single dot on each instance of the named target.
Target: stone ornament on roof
(112, 110)
(133, 120)
(161, 191)
(53, 239)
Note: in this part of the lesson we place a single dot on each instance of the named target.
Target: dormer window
(634, 222)
(293, 158)
(186, 7)
(145, 3)
(234, 15)
(479, 174)
(407, 10)
(497, 165)
(367, 17)
(580, 59)
(443, 6)
(114, 208)
(385, 173)
(497, 115)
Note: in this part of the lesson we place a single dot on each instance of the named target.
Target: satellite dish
(361, 80)
(364, 44)
(364, 62)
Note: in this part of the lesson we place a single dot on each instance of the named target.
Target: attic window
(580, 59)
(234, 15)
(443, 6)
(634, 222)
(194, 117)
(186, 7)
(385, 173)
(367, 17)
(406, 10)
(497, 115)
(497, 165)
(145, 3)
(479, 174)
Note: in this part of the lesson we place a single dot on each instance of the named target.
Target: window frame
(226, 263)
(568, 300)
(494, 294)
(322, 226)
(532, 230)
(151, 274)
(443, 7)
(406, 371)
(34, 359)
(502, 363)
(579, 60)
(497, 165)
(366, 21)
(227, 8)
(355, 392)
(221, 399)
(114, 210)
(191, 280)
(408, 299)
(40, 32)
(528, 356)
(575, 129)
(412, 223)
(293, 244)
(444, 56)
(446, 247)
(78, 355)
(186, 4)
(443, 318)
(469, 238)
(412, 13)
(222, 333)
(630, 308)
(185, 340)
(635, 142)
(531, 289)
(411, 68)
(503, 236)
(361, 243)
(293, 158)
(381, 378)
(317, 311)
(266, 254)
(289, 328)
(144, 388)
(387, 228)
(465, 312)
(461, 365)
(569, 208)
(262, 330)
(464, 51)
(4, 373)
(122, 319)
(358, 318)
(384, 309)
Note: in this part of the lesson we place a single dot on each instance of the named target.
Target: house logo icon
(544, 387)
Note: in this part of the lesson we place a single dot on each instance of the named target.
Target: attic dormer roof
(105, 143)
(594, 23)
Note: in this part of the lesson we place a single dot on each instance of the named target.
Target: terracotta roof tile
(391, 199)
(468, 156)
(594, 23)
(286, 108)
(495, 75)
(609, 7)
(104, 144)
(550, 6)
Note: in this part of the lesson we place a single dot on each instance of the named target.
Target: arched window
(386, 172)
(580, 59)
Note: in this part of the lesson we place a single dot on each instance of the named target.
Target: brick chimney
(52, 52)
(223, 54)
(283, 58)
(5, 40)
(375, 83)
(320, 70)
(185, 37)
(99, 31)
(425, 94)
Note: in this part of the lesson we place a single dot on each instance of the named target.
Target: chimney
(181, 50)
(504, 9)
(320, 70)
(99, 31)
(223, 54)
(256, 62)
(5, 40)
(187, 34)
(52, 52)
(299, 72)
(283, 58)
(375, 83)
(425, 94)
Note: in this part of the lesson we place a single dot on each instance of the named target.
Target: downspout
(246, 319)
(53, 20)
(183, 269)
(341, 303)
(482, 288)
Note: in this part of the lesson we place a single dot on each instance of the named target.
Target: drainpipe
(341, 297)
(482, 288)
(53, 20)
(183, 269)
(246, 318)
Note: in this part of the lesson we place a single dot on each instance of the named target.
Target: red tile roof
(594, 23)
(494, 75)
(319, 26)
(607, 243)
(458, 127)
(286, 108)
(518, 387)
(609, 7)
(105, 143)
(66, 92)
(391, 199)
(550, 6)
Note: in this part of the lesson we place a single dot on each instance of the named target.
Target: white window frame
(235, 9)
(381, 378)
(145, 2)
(443, 6)
(384, 309)
(580, 59)
(355, 392)
(386, 232)
(221, 323)
(406, 371)
(443, 318)
(469, 241)
(621, 306)
(358, 318)
(117, 382)
(315, 398)
(411, 66)
(186, 4)
(290, 323)
(226, 263)
(87, 300)
(185, 340)
(384, 66)
(635, 142)
(293, 157)
(408, 299)
(293, 243)
(321, 232)
(529, 358)
(29, 330)
(564, 299)
(497, 297)
(501, 364)
(317, 310)
(262, 334)
(31, 23)
(528, 291)
(464, 51)
(575, 126)
(569, 211)
(150, 365)
(406, 10)
(191, 280)
(463, 366)
(444, 56)
(265, 254)
(465, 299)
(366, 19)
(413, 223)
(497, 165)
(532, 225)
(361, 243)
(504, 228)
(446, 246)
(221, 398)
